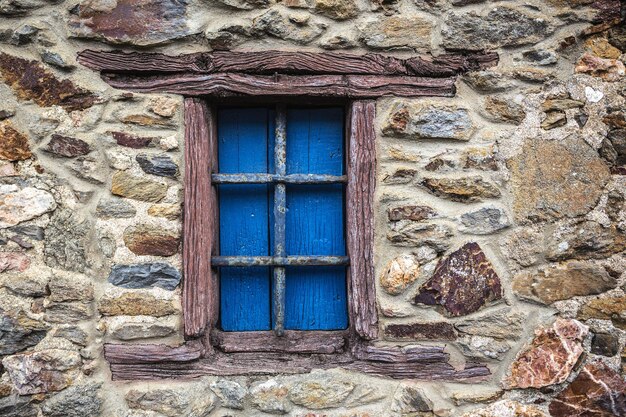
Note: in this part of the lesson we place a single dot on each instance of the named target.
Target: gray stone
(56, 60)
(70, 287)
(141, 327)
(484, 221)
(230, 393)
(145, 275)
(297, 28)
(42, 371)
(245, 4)
(504, 109)
(18, 332)
(502, 26)
(337, 42)
(32, 283)
(271, 397)
(69, 312)
(19, 204)
(89, 169)
(31, 231)
(23, 7)
(499, 325)
(424, 120)
(584, 240)
(74, 334)
(411, 234)
(541, 56)
(164, 401)
(160, 165)
(16, 406)
(405, 32)
(483, 347)
(410, 399)
(488, 81)
(76, 401)
(115, 208)
(23, 35)
(67, 237)
(320, 392)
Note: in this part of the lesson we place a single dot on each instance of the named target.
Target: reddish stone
(597, 391)
(67, 146)
(31, 81)
(550, 357)
(13, 261)
(462, 283)
(138, 22)
(415, 213)
(150, 240)
(415, 331)
(13, 144)
(131, 141)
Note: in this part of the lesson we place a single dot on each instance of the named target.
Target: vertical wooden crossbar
(360, 203)
(280, 203)
(198, 297)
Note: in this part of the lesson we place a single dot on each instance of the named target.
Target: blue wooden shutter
(315, 296)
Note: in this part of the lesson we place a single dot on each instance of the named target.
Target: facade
(312, 208)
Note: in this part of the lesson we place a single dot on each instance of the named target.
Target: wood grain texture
(235, 84)
(400, 354)
(199, 219)
(360, 221)
(270, 62)
(151, 353)
(290, 342)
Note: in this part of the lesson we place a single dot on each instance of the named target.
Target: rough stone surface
(410, 399)
(409, 32)
(563, 282)
(462, 283)
(14, 145)
(465, 189)
(42, 371)
(597, 391)
(413, 234)
(337, 9)
(13, 261)
(65, 246)
(167, 211)
(160, 165)
(115, 208)
(131, 141)
(145, 275)
(585, 240)
(417, 331)
(230, 393)
(550, 357)
(19, 204)
(67, 146)
(608, 308)
(507, 408)
(18, 332)
(504, 109)
(484, 221)
(414, 213)
(270, 397)
(554, 179)
(428, 121)
(605, 344)
(140, 327)
(151, 240)
(300, 29)
(499, 325)
(137, 188)
(501, 26)
(320, 393)
(135, 303)
(76, 401)
(399, 274)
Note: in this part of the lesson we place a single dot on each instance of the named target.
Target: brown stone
(465, 189)
(151, 240)
(143, 120)
(483, 158)
(550, 357)
(67, 146)
(420, 331)
(504, 109)
(414, 213)
(400, 176)
(136, 22)
(14, 261)
(167, 211)
(13, 144)
(415, 234)
(31, 81)
(608, 308)
(396, 32)
(137, 188)
(164, 106)
(337, 9)
(131, 141)
(462, 283)
(597, 391)
(585, 240)
(554, 119)
(554, 179)
(607, 69)
(563, 282)
(399, 273)
(135, 303)
(561, 104)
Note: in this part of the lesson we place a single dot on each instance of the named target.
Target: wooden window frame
(205, 79)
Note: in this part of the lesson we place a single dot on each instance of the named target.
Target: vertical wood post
(360, 203)
(199, 218)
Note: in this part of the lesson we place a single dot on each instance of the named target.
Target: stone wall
(500, 213)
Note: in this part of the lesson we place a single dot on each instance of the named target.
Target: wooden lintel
(297, 63)
(326, 342)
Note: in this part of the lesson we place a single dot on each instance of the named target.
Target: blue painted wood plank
(244, 215)
(316, 297)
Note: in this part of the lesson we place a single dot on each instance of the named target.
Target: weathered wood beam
(234, 84)
(360, 219)
(151, 353)
(270, 62)
(395, 354)
(290, 342)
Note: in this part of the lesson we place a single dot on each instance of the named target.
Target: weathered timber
(289, 342)
(270, 62)
(418, 370)
(273, 178)
(399, 354)
(360, 220)
(198, 219)
(234, 84)
(151, 353)
(279, 260)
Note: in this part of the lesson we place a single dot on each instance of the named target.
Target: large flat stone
(19, 332)
(127, 185)
(76, 401)
(403, 31)
(145, 275)
(67, 236)
(608, 308)
(550, 357)
(463, 189)
(136, 303)
(507, 408)
(145, 239)
(462, 283)
(19, 204)
(14, 144)
(135, 22)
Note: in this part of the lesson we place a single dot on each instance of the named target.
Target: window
(281, 193)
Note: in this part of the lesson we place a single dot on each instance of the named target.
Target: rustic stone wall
(500, 213)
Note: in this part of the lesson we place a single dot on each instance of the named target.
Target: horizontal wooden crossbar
(273, 178)
(242, 261)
